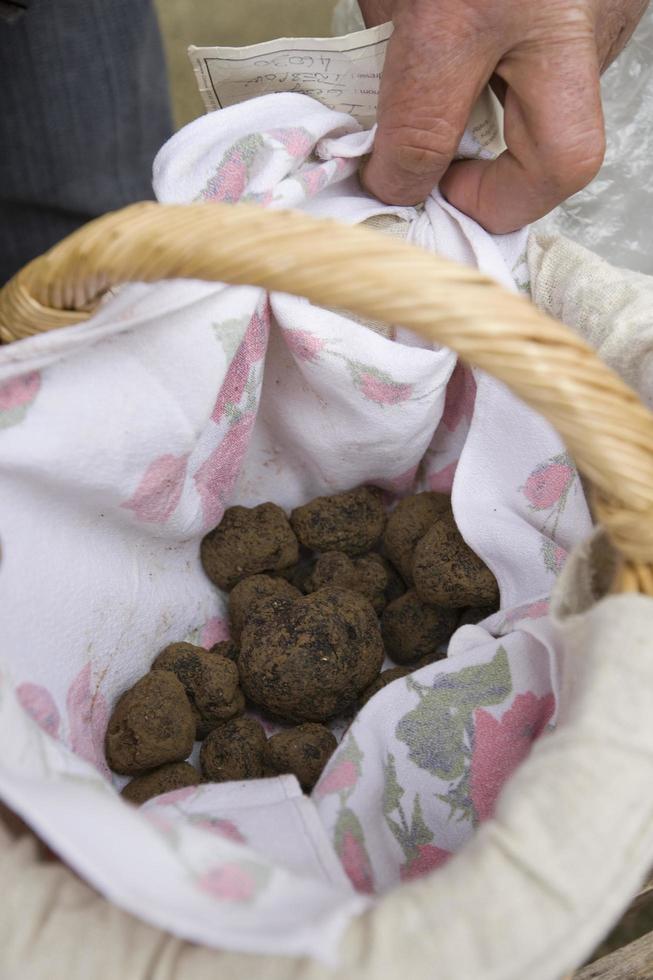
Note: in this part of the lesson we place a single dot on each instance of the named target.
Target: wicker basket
(606, 428)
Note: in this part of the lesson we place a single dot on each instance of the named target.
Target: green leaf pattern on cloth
(229, 334)
(235, 170)
(439, 731)
(412, 834)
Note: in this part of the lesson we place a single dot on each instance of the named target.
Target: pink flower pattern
(215, 631)
(547, 489)
(216, 477)
(383, 392)
(531, 610)
(356, 863)
(546, 484)
(159, 491)
(500, 745)
(16, 395)
(88, 715)
(554, 555)
(233, 882)
(536, 609)
(343, 776)
(233, 173)
(315, 178)
(250, 352)
(349, 838)
(19, 391)
(427, 859)
(39, 705)
(296, 140)
(304, 345)
(376, 385)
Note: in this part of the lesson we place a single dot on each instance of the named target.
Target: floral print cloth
(123, 440)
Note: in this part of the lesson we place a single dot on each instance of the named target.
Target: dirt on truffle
(245, 596)
(448, 573)
(226, 648)
(385, 677)
(369, 576)
(248, 541)
(396, 585)
(210, 682)
(407, 524)
(413, 629)
(306, 642)
(351, 522)
(299, 574)
(174, 775)
(303, 751)
(234, 751)
(308, 659)
(152, 723)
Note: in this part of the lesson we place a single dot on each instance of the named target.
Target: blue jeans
(83, 109)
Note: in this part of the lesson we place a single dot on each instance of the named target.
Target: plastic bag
(612, 216)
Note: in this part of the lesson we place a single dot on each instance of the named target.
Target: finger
(431, 80)
(553, 128)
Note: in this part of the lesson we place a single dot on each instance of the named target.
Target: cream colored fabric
(612, 308)
(530, 896)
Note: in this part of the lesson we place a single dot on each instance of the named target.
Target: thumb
(553, 127)
(431, 80)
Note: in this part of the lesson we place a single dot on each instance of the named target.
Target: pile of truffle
(316, 602)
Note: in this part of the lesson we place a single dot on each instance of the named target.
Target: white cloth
(122, 442)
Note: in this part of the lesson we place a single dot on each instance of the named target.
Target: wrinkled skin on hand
(544, 59)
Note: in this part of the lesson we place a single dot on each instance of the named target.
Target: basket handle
(603, 423)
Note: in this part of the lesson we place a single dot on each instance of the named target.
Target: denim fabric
(83, 109)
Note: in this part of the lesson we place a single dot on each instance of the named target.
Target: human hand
(544, 58)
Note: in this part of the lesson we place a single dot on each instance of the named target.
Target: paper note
(344, 73)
